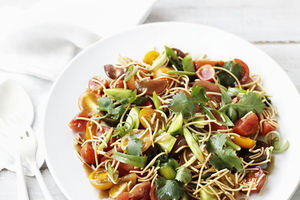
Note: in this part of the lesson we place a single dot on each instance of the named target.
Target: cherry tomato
(210, 87)
(247, 125)
(141, 191)
(119, 84)
(123, 196)
(144, 137)
(95, 86)
(150, 57)
(131, 83)
(267, 127)
(88, 154)
(245, 73)
(147, 114)
(152, 193)
(79, 125)
(124, 169)
(256, 175)
(244, 142)
(88, 101)
(206, 73)
(215, 126)
(100, 179)
(200, 63)
(161, 71)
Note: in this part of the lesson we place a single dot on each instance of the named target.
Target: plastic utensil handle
(41, 182)
(21, 184)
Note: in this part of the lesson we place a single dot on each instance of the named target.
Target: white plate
(196, 39)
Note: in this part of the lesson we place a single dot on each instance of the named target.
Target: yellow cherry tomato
(100, 179)
(90, 129)
(142, 135)
(146, 115)
(88, 102)
(150, 57)
(244, 142)
(161, 71)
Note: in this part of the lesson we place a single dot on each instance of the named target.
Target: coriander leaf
(168, 189)
(226, 99)
(122, 129)
(249, 102)
(182, 103)
(117, 112)
(225, 78)
(187, 64)
(223, 157)
(198, 93)
(183, 175)
(134, 146)
(173, 58)
(105, 104)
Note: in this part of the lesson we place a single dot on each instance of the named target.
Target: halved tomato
(152, 193)
(267, 127)
(141, 191)
(95, 86)
(88, 154)
(247, 125)
(79, 125)
(257, 176)
(100, 179)
(123, 196)
(245, 74)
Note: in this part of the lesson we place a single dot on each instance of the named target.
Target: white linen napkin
(39, 37)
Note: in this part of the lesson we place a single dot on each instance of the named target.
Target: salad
(174, 128)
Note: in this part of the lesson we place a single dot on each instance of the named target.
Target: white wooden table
(272, 25)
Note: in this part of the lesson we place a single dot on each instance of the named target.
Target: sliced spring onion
(176, 124)
(194, 146)
(187, 64)
(161, 60)
(166, 141)
(137, 161)
(167, 171)
(111, 174)
(276, 142)
(118, 93)
(132, 71)
(107, 138)
(181, 73)
(133, 118)
(190, 161)
(156, 101)
(233, 145)
(226, 120)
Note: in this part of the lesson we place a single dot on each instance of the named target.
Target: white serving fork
(16, 116)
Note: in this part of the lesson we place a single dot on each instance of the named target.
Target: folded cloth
(39, 37)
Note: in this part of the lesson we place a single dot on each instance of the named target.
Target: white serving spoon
(16, 116)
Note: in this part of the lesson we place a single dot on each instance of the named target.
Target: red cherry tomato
(119, 84)
(79, 125)
(124, 169)
(123, 196)
(247, 125)
(215, 126)
(206, 73)
(141, 191)
(256, 175)
(267, 127)
(200, 63)
(245, 73)
(88, 154)
(152, 193)
(95, 86)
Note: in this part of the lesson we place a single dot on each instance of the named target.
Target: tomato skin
(147, 114)
(206, 73)
(95, 87)
(79, 125)
(152, 193)
(124, 169)
(119, 84)
(88, 154)
(100, 179)
(141, 191)
(215, 126)
(131, 83)
(200, 63)
(123, 196)
(256, 175)
(245, 73)
(210, 87)
(247, 125)
(267, 127)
